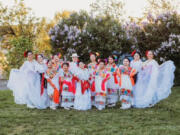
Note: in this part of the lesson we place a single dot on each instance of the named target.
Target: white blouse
(137, 65)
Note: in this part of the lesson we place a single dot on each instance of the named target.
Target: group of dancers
(56, 83)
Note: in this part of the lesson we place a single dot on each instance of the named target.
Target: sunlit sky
(47, 8)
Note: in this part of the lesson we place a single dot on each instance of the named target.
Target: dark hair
(65, 63)
(149, 51)
(29, 51)
(127, 59)
(41, 55)
(92, 53)
(102, 60)
(26, 53)
(111, 56)
(56, 54)
(49, 60)
(138, 54)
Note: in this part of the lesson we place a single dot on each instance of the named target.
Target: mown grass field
(163, 119)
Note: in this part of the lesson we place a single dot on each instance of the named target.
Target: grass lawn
(163, 119)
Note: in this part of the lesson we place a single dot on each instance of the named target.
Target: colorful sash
(56, 92)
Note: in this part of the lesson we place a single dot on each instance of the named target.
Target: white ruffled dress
(154, 83)
(82, 101)
(22, 81)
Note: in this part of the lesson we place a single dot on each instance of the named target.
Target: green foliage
(163, 118)
(15, 56)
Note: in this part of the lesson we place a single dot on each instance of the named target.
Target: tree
(15, 55)
(83, 34)
(42, 40)
(160, 33)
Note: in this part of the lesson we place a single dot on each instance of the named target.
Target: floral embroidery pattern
(68, 99)
(126, 92)
(124, 71)
(102, 73)
(112, 91)
(111, 68)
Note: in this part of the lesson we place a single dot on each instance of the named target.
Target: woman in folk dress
(83, 95)
(154, 82)
(91, 68)
(52, 77)
(136, 63)
(67, 87)
(101, 78)
(37, 97)
(126, 83)
(21, 81)
(41, 83)
(112, 84)
(73, 66)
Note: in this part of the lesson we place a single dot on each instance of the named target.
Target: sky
(47, 8)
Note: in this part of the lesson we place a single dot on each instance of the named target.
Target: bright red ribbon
(115, 78)
(56, 92)
(71, 85)
(84, 86)
(104, 82)
(74, 80)
(93, 89)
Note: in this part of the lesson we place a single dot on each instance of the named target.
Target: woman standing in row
(37, 97)
(126, 83)
(101, 78)
(136, 63)
(83, 95)
(92, 67)
(112, 84)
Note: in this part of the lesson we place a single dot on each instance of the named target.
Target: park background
(103, 27)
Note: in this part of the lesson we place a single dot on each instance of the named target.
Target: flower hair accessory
(36, 56)
(147, 53)
(25, 54)
(97, 54)
(115, 57)
(59, 55)
(132, 54)
(106, 61)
